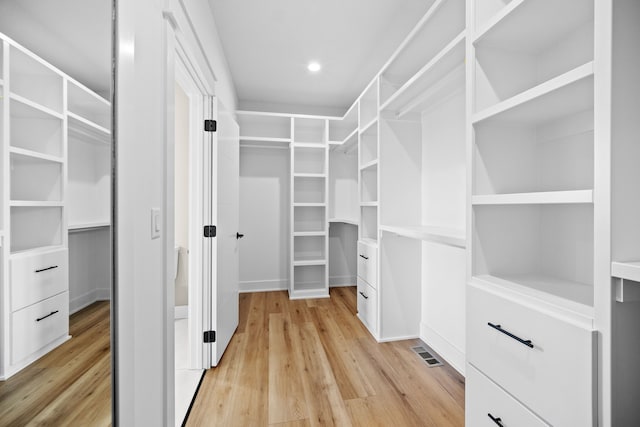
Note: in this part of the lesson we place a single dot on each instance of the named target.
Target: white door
(224, 215)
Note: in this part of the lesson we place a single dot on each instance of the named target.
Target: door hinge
(210, 125)
(209, 336)
(209, 231)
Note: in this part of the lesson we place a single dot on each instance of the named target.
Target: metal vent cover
(431, 360)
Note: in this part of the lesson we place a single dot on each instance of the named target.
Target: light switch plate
(156, 224)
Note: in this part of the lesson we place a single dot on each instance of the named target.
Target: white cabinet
(492, 406)
(368, 263)
(38, 326)
(367, 305)
(537, 357)
(37, 276)
(47, 183)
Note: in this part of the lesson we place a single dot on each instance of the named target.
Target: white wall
(181, 195)
(343, 249)
(264, 219)
(89, 267)
(144, 162)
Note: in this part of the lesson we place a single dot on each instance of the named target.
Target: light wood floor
(312, 363)
(70, 386)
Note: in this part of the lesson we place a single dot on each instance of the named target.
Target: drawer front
(484, 400)
(554, 378)
(368, 263)
(368, 305)
(38, 277)
(38, 325)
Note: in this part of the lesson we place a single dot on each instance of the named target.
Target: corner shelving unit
(309, 198)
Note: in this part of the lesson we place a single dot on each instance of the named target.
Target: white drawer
(38, 325)
(368, 263)
(484, 399)
(368, 305)
(38, 276)
(554, 378)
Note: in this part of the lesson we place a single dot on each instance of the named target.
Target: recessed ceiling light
(314, 66)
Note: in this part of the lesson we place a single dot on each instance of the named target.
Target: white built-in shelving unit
(46, 188)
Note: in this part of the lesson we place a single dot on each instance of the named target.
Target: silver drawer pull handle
(362, 293)
(45, 269)
(48, 315)
(509, 334)
(365, 257)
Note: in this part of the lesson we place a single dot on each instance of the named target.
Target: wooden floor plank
(312, 363)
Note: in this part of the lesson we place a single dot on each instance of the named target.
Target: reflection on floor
(186, 379)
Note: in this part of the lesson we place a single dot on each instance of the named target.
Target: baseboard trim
(264, 285)
(342, 281)
(78, 303)
(443, 347)
(181, 312)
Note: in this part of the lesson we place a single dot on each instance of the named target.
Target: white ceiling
(73, 35)
(268, 44)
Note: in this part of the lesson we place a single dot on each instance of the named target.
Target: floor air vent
(425, 355)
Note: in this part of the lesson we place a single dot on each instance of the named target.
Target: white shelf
(301, 263)
(344, 221)
(368, 126)
(346, 144)
(627, 287)
(529, 26)
(35, 204)
(568, 93)
(88, 226)
(429, 76)
(369, 165)
(309, 175)
(447, 236)
(265, 139)
(309, 145)
(308, 233)
(87, 128)
(572, 296)
(309, 205)
(370, 242)
(35, 155)
(549, 197)
(32, 110)
(626, 270)
(317, 291)
(30, 252)
(369, 204)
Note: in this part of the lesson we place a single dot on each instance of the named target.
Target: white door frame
(197, 277)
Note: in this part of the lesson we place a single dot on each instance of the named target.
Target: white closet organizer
(530, 301)
(42, 111)
(309, 194)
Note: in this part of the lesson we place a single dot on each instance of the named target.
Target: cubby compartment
(341, 129)
(369, 145)
(547, 249)
(309, 219)
(89, 183)
(309, 277)
(264, 126)
(441, 24)
(309, 160)
(309, 130)
(34, 130)
(521, 51)
(34, 179)
(88, 105)
(35, 227)
(368, 106)
(309, 189)
(35, 81)
(369, 223)
(552, 156)
(309, 249)
(369, 185)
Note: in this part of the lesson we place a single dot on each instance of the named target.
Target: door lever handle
(239, 236)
